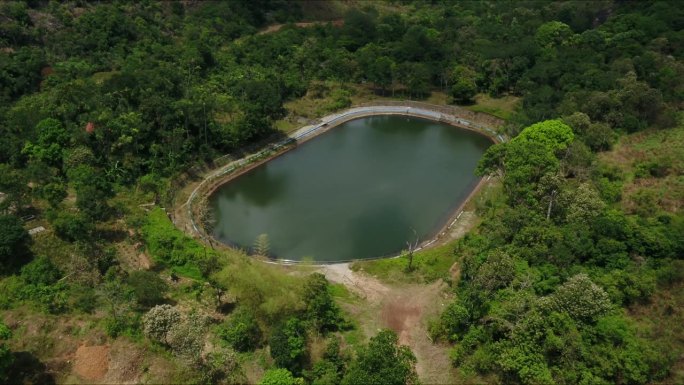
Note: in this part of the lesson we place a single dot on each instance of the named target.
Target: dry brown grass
(666, 146)
(662, 321)
(503, 107)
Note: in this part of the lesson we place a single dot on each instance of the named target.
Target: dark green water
(354, 192)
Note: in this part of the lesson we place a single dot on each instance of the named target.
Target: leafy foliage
(40, 272)
(71, 226)
(148, 287)
(99, 97)
(14, 242)
(171, 247)
(288, 345)
(581, 299)
(280, 376)
(187, 338)
(540, 281)
(383, 361)
(331, 368)
(5, 354)
(242, 331)
(321, 309)
(158, 321)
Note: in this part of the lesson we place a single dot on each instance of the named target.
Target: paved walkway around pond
(422, 110)
(184, 216)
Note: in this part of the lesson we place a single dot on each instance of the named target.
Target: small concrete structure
(36, 230)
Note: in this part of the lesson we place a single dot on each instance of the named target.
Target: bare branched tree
(411, 248)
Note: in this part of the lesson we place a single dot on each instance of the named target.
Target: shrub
(280, 377)
(610, 191)
(330, 369)
(455, 320)
(671, 272)
(40, 272)
(14, 242)
(6, 357)
(383, 361)
(158, 322)
(222, 367)
(117, 326)
(83, 298)
(646, 202)
(187, 339)
(321, 309)
(242, 331)
(54, 193)
(581, 299)
(148, 287)
(658, 168)
(288, 345)
(71, 226)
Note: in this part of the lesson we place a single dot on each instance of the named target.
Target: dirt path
(406, 309)
(366, 287)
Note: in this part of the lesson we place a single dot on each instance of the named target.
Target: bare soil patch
(401, 317)
(365, 286)
(125, 362)
(406, 309)
(91, 362)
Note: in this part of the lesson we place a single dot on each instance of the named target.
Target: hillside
(565, 266)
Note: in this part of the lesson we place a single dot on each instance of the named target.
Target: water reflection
(353, 192)
(378, 231)
(251, 189)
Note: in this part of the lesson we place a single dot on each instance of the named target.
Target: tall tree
(14, 243)
(383, 361)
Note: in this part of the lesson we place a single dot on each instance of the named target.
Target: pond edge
(196, 203)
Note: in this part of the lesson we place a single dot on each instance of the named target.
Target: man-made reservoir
(358, 191)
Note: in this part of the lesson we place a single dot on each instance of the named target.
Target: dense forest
(574, 273)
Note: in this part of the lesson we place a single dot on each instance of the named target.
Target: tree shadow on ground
(28, 369)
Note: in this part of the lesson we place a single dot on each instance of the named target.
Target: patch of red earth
(91, 363)
(402, 317)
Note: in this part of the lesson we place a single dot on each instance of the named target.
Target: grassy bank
(503, 107)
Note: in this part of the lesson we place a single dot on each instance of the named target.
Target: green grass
(340, 292)
(428, 266)
(322, 98)
(188, 271)
(286, 125)
(438, 97)
(503, 107)
(171, 248)
(355, 336)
